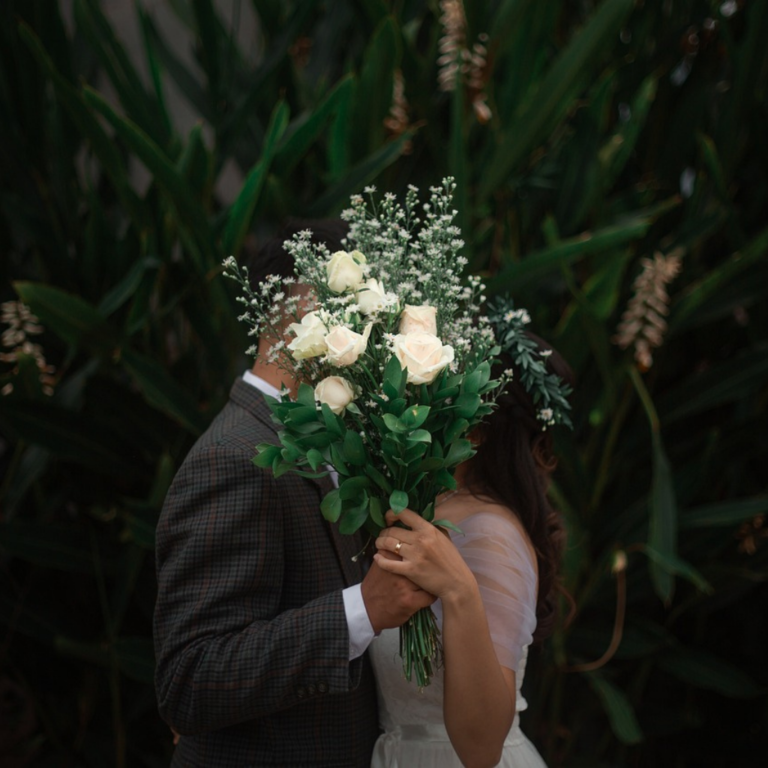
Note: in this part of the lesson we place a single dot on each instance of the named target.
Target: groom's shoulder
(240, 425)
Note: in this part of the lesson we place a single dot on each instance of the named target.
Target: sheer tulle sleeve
(497, 554)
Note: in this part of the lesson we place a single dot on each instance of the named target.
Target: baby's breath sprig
(548, 391)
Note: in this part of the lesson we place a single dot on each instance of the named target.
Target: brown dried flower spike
(642, 323)
(459, 64)
(21, 324)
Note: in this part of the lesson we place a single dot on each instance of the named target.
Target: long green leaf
(162, 391)
(620, 713)
(242, 209)
(71, 318)
(357, 177)
(541, 263)
(705, 670)
(662, 535)
(724, 514)
(58, 546)
(89, 127)
(137, 103)
(68, 436)
(554, 94)
(299, 137)
(724, 383)
(696, 297)
(190, 211)
(675, 566)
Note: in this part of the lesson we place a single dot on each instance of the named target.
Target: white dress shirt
(360, 630)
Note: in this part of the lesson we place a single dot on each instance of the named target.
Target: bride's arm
(479, 703)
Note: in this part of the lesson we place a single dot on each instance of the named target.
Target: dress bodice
(401, 703)
(499, 555)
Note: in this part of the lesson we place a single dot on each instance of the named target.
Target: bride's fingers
(398, 567)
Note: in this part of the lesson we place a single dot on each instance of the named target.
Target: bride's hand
(427, 556)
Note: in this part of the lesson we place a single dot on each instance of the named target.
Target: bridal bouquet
(393, 357)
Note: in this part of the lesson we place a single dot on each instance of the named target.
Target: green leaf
(458, 452)
(136, 658)
(702, 669)
(378, 478)
(398, 501)
(122, 74)
(696, 297)
(73, 319)
(330, 506)
(394, 424)
(540, 264)
(455, 429)
(354, 449)
(420, 436)
(726, 382)
(127, 287)
(306, 395)
(415, 416)
(52, 545)
(466, 405)
(68, 436)
(299, 137)
(159, 165)
(161, 390)
(315, 458)
(333, 423)
(358, 177)
(662, 535)
(376, 512)
(671, 564)
(353, 487)
(354, 518)
(88, 126)
(449, 525)
(620, 713)
(241, 212)
(725, 514)
(555, 93)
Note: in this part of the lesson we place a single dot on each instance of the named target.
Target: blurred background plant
(611, 162)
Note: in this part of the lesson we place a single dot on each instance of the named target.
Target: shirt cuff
(360, 630)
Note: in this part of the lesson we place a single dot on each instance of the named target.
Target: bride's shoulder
(478, 515)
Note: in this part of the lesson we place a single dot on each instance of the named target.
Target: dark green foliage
(616, 130)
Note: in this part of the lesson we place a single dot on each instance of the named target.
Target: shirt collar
(263, 386)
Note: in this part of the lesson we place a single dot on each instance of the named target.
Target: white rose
(335, 392)
(422, 319)
(423, 354)
(344, 345)
(344, 271)
(310, 337)
(373, 297)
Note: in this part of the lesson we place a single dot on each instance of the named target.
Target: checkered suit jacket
(250, 631)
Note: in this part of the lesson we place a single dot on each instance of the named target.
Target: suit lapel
(346, 547)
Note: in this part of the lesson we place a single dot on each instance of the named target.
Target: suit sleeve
(226, 653)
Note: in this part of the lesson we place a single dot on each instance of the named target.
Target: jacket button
(322, 687)
(301, 693)
(311, 690)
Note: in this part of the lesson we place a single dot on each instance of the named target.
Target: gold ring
(397, 547)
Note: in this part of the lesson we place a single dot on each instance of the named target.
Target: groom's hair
(271, 258)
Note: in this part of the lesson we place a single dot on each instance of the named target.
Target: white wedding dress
(414, 735)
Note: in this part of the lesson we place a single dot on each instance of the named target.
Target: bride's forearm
(479, 702)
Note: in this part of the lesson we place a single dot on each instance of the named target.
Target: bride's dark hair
(513, 466)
